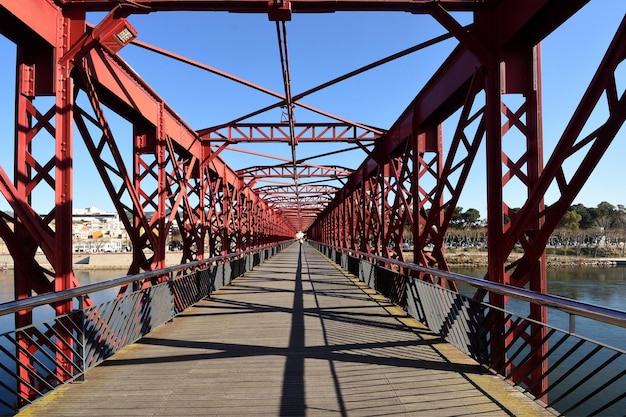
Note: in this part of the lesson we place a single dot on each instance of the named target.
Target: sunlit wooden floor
(294, 337)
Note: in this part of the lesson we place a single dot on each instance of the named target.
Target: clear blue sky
(321, 47)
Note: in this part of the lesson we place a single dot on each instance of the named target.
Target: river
(605, 286)
(602, 286)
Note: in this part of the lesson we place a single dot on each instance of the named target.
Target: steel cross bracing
(70, 79)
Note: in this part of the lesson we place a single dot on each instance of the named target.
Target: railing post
(82, 340)
(171, 276)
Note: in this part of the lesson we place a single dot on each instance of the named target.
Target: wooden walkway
(294, 337)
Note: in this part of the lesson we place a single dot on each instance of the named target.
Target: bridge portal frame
(173, 176)
(496, 64)
(496, 57)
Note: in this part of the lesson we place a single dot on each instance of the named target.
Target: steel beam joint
(279, 10)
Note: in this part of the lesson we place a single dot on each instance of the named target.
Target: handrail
(591, 311)
(54, 297)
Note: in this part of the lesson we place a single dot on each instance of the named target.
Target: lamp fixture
(112, 33)
(115, 35)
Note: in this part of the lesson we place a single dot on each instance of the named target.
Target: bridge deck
(295, 336)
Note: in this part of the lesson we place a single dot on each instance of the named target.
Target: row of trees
(605, 216)
(582, 228)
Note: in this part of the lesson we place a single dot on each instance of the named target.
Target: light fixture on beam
(112, 33)
(117, 35)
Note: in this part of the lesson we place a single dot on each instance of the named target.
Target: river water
(602, 286)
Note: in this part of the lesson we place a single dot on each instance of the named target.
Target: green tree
(457, 217)
(606, 215)
(571, 220)
(588, 216)
(471, 217)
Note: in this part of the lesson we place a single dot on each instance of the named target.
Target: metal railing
(36, 359)
(579, 376)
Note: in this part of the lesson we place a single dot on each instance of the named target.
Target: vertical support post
(22, 281)
(71, 28)
(495, 213)
(383, 174)
(417, 225)
(364, 229)
(537, 275)
(140, 138)
(226, 215)
(161, 166)
(63, 189)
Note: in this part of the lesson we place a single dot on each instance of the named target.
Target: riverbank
(82, 261)
(478, 258)
(456, 257)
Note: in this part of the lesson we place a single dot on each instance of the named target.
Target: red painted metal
(262, 6)
(302, 171)
(176, 177)
(44, 69)
(522, 77)
(311, 132)
(212, 132)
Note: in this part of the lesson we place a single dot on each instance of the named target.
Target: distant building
(91, 213)
(95, 230)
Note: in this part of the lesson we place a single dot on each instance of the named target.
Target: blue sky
(322, 47)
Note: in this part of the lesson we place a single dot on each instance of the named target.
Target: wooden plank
(279, 342)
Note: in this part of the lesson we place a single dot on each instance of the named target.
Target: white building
(95, 230)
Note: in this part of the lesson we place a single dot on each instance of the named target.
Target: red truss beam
(435, 206)
(40, 73)
(173, 174)
(297, 190)
(456, 85)
(601, 91)
(288, 172)
(305, 6)
(183, 188)
(283, 99)
(304, 200)
(304, 132)
(313, 208)
(122, 89)
(302, 209)
(446, 90)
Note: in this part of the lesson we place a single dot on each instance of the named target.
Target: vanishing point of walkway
(294, 337)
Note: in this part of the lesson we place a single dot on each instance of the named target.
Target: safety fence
(36, 359)
(554, 363)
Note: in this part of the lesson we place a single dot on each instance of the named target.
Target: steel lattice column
(41, 73)
(184, 188)
(516, 72)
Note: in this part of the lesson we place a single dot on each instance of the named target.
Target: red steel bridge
(71, 83)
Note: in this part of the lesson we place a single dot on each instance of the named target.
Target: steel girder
(37, 171)
(311, 132)
(406, 178)
(274, 8)
(299, 204)
(171, 172)
(302, 171)
(484, 53)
